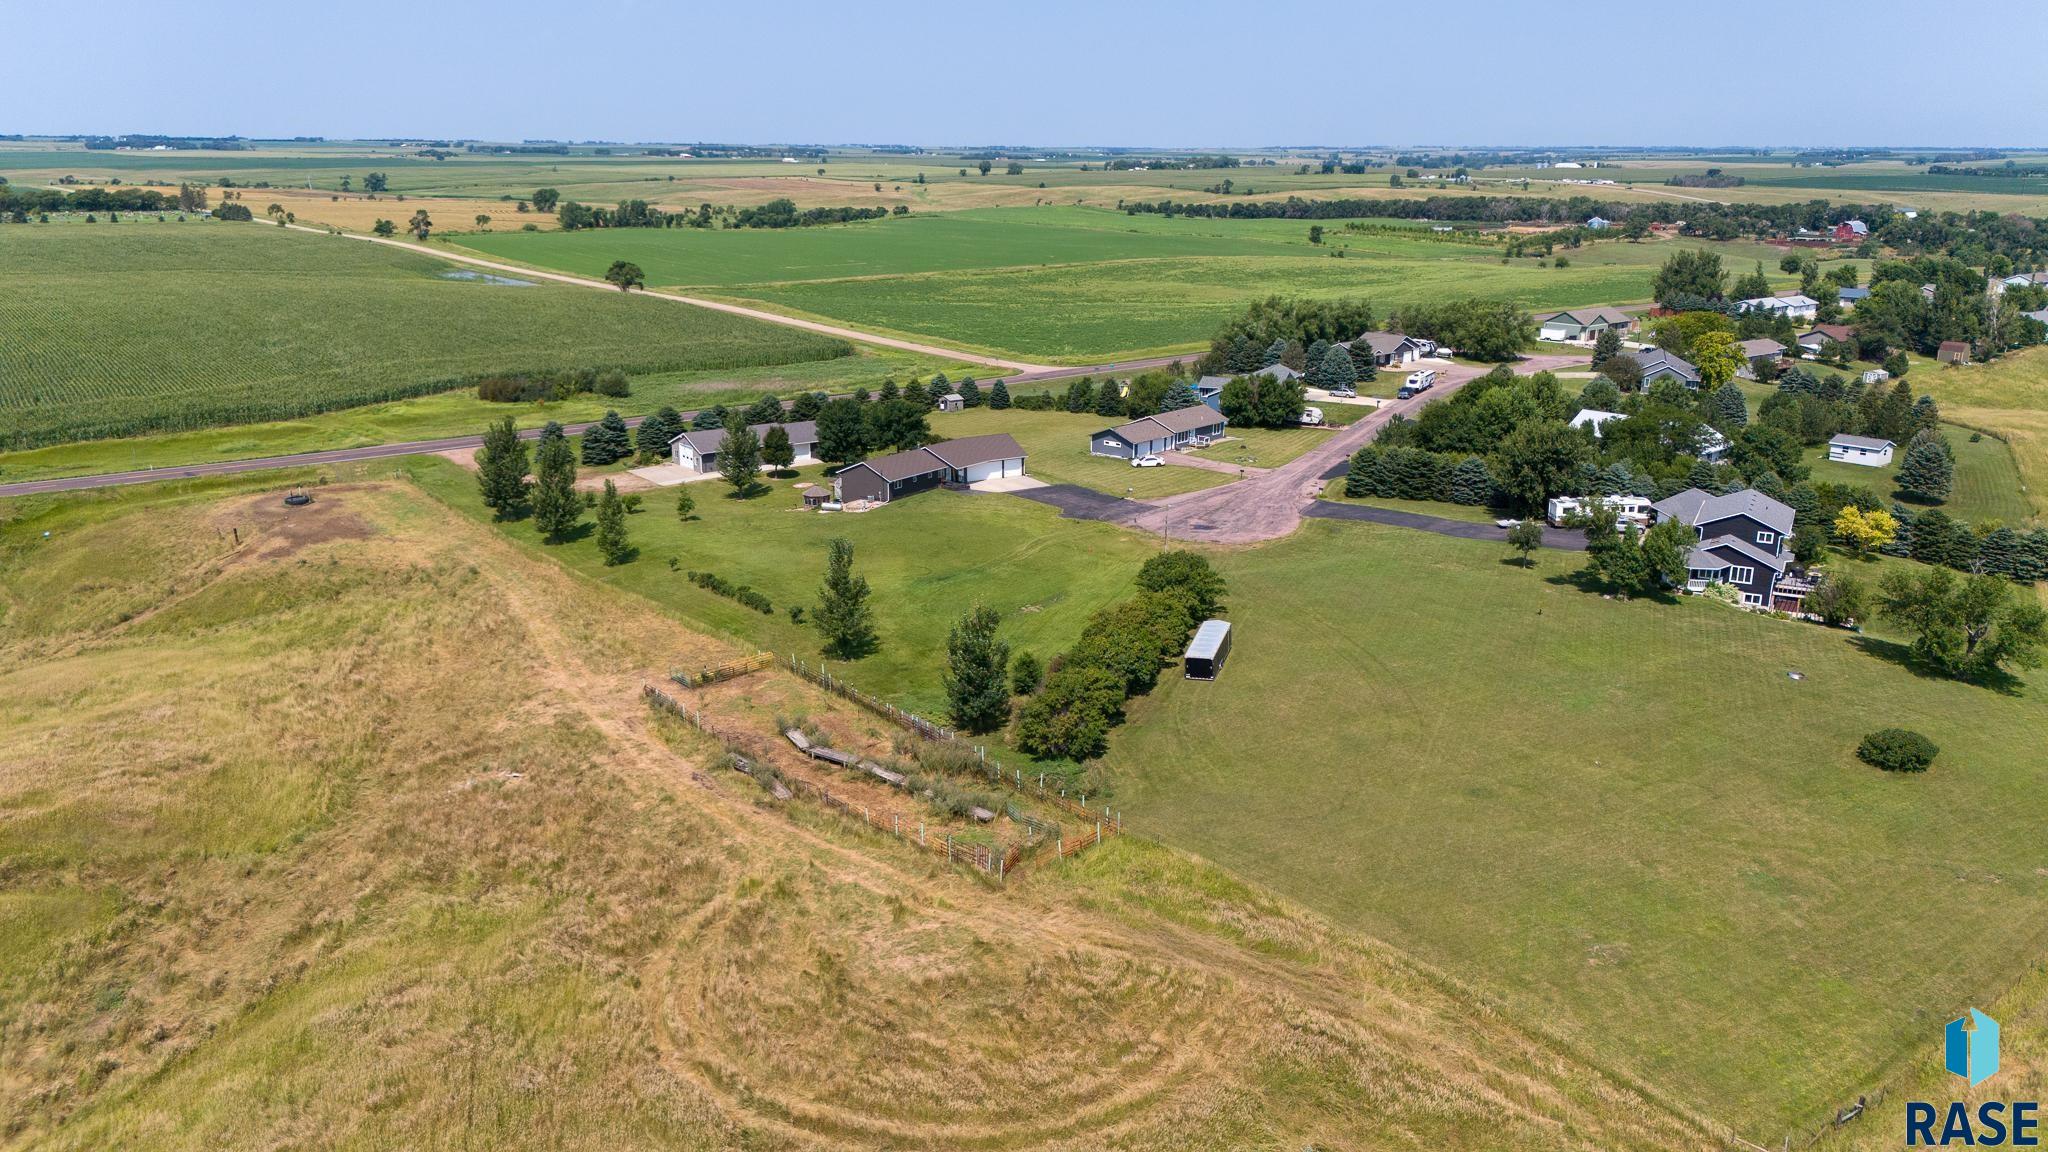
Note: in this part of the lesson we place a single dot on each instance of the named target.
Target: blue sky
(1477, 72)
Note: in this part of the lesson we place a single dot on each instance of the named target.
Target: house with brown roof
(1149, 435)
(1953, 352)
(1815, 340)
(968, 460)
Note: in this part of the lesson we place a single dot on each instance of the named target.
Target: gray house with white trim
(697, 449)
(1150, 435)
(1658, 364)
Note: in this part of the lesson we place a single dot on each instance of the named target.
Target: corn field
(119, 329)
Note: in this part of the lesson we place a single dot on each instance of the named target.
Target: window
(1752, 599)
(1767, 538)
(1741, 575)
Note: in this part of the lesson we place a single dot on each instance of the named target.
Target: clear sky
(1189, 74)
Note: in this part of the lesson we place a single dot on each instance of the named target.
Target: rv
(1421, 381)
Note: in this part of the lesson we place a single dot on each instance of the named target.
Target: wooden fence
(726, 671)
(928, 729)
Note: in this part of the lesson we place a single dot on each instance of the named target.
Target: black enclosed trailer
(1207, 651)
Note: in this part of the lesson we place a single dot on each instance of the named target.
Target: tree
(626, 275)
(483, 221)
(1180, 395)
(374, 182)
(936, 391)
(1864, 532)
(896, 425)
(1666, 547)
(985, 166)
(970, 393)
(1694, 274)
(842, 432)
(998, 396)
(555, 506)
(1624, 371)
(1188, 573)
(1968, 628)
(419, 225)
(1929, 470)
(1753, 286)
(977, 666)
(384, 228)
(1026, 673)
(1109, 401)
(1718, 357)
(612, 543)
(1538, 460)
(545, 199)
(739, 456)
(1839, 599)
(1525, 538)
(1606, 346)
(1069, 718)
(501, 468)
(657, 432)
(1080, 395)
(686, 504)
(607, 441)
(766, 410)
(1729, 407)
(1315, 233)
(844, 618)
(776, 449)
(1339, 374)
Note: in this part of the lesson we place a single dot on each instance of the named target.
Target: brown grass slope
(357, 835)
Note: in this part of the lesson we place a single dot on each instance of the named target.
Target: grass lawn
(1056, 451)
(120, 329)
(1987, 481)
(460, 413)
(2008, 396)
(929, 558)
(1441, 508)
(1266, 447)
(1623, 819)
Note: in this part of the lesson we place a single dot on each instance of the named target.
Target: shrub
(712, 582)
(1897, 750)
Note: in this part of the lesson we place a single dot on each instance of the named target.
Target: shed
(1953, 352)
(1207, 651)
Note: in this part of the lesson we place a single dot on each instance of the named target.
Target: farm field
(1056, 451)
(1081, 285)
(1987, 482)
(1622, 819)
(2008, 396)
(359, 834)
(144, 326)
(460, 413)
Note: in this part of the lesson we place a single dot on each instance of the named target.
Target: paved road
(1559, 538)
(1269, 506)
(1077, 503)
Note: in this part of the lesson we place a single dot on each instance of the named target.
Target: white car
(1311, 415)
(1343, 394)
(1507, 523)
(1147, 462)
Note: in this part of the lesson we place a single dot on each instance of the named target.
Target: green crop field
(116, 329)
(1622, 819)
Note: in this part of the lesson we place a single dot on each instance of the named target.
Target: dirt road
(1269, 505)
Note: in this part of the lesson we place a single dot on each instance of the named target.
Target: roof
(1751, 349)
(1697, 507)
(707, 440)
(1277, 372)
(1210, 384)
(1208, 640)
(1596, 418)
(1586, 317)
(1852, 293)
(1384, 343)
(2042, 315)
(1869, 443)
(1735, 544)
(1856, 226)
(1655, 359)
(971, 450)
(904, 465)
(1839, 333)
(1188, 419)
(1962, 346)
(952, 396)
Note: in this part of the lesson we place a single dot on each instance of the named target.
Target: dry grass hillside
(358, 835)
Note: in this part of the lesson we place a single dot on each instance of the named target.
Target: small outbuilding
(952, 402)
(1868, 451)
(1953, 352)
(1207, 651)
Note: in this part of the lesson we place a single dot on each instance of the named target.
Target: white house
(1711, 447)
(697, 449)
(1561, 511)
(1865, 450)
(1794, 306)
(1594, 418)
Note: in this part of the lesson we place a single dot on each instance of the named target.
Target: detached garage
(1868, 451)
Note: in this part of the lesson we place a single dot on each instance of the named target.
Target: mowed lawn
(1266, 447)
(1056, 451)
(1987, 481)
(118, 329)
(1623, 819)
(929, 558)
(2008, 396)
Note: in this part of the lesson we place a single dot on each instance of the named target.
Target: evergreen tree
(1363, 367)
(1728, 408)
(970, 393)
(842, 432)
(607, 441)
(1470, 482)
(555, 505)
(1109, 402)
(776, 449)
(1244, 356)
(936, 391)
(1338, 372)
(611, 527)
(1926, 414)
(845, 619)
(1702, 477)
(654, 434)
(766, 410)
(1318, 363)
(807, 406)
(1274, 352)
(1929, 470)
(889, 390)
(1180, 395)
(1026, 674)
(1081, 395)
(977, 666)
(739, 456)
(1606, 346)
(709, 418)
(998, 396)
(501, 468)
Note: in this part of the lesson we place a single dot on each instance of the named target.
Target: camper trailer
(1206, 652)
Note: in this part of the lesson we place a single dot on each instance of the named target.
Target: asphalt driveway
(1562, 539)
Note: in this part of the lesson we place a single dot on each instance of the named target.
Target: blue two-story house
(1745, 542)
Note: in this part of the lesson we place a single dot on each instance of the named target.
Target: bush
(1897, 750)
(712, 582)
